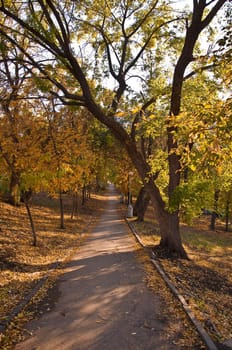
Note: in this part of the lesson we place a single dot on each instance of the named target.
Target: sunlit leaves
(191, 197)
(204, 135)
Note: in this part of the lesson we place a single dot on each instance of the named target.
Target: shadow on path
(103, 301)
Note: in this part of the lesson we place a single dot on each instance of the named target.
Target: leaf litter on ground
(22, 265)
(205, 280)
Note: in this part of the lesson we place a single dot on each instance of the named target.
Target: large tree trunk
(168, 222)
(141, 204)
(169, 229)
(171, 238)
(14, 190)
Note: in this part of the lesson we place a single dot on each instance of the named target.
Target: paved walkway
(104, 303)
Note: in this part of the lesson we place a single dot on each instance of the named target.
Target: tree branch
(212, 13)
(139, 116)
(200, 70)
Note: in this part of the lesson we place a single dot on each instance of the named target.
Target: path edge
(209, 343)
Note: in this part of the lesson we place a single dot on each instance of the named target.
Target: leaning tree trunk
(141, 204)
(26, 197)
(168, 222)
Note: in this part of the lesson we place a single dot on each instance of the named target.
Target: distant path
(104, 303)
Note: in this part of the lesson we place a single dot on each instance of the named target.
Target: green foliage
(35, 181)
(204, 136)
(191, 197)
(4, 184)
(42, 84)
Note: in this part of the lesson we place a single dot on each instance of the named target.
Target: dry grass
(206, 279)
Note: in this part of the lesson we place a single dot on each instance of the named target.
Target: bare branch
(143, 48)
(35, 34)
(210, 66)
(212, 13)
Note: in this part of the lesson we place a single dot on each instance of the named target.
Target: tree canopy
(128, 64)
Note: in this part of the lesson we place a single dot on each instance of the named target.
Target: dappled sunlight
(104, 299)
(95, 304)
(21, 264)
(103, 197)
(110, 305)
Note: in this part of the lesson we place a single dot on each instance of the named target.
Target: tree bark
(61, 210)
(141, 204)
(171, 239)
(214, 214)
(84, 197)
(34, 243)
(227, 213)
(169, 231)
(74, 204)
(26, 197)
(168, 222)
(14, 190)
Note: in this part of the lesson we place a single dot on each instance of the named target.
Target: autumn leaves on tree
(130, 65)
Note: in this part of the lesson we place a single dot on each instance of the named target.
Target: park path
(103, 303)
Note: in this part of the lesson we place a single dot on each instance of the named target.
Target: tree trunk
(34, 243)
(170, 237)
(88, 192)
(168, 222)
(14, 191)
(129, 198)
(61, 210)
(98, 187)
(74, 205)
(214, 214)
(141, 204)
(26, 199)
(227, 213)
(83, 195)
(169, 227)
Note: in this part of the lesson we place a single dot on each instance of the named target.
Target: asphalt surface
(103, 303)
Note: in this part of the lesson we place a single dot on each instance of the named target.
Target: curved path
(103, 302)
